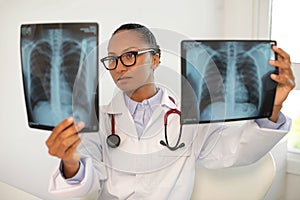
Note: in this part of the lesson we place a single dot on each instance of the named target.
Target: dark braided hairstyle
(145, 33)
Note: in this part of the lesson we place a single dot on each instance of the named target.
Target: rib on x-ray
(230, 80)
(59, 65)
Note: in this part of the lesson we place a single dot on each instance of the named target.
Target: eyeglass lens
(127, 59)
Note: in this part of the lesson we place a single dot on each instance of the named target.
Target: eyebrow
(125, 50)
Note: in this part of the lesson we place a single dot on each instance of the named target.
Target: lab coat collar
(125, 122)
(118, 105)
(167, 100)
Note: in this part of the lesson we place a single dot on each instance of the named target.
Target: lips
(124, 78)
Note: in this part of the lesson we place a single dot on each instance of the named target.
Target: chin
(126, 88)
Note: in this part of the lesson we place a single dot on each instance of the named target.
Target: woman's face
(129, 79)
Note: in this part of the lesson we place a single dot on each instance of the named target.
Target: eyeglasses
(128, 59)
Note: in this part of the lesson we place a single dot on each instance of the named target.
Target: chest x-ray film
(226, 80)
(60, 73)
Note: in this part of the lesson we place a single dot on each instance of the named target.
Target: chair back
(248, 182)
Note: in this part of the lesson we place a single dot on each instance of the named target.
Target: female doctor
(139, 161)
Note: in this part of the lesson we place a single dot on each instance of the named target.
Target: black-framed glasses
(128, 59)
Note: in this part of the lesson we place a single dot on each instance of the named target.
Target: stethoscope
(113, 140)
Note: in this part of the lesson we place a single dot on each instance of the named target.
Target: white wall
(24, 159)
(246, 19)
(285, 16)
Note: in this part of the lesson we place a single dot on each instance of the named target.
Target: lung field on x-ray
(229, 78)
(40, 80)
(59, 75)
(42, 62)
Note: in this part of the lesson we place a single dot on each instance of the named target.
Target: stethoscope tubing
(113, 140)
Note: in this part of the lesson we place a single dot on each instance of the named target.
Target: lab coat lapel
(156, 122)
(123, 119)
(147, 154)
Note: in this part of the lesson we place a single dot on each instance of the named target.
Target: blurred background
(25, 163)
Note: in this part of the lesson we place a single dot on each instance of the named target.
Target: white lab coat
(144, 169)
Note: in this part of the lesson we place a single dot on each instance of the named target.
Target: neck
(142, 93)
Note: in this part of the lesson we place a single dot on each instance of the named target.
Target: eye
(128, 56)
(109, 61)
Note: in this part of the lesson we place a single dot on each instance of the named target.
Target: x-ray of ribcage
(59, 65)
(228, 80)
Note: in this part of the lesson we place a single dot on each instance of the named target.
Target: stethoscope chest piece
(113, 140)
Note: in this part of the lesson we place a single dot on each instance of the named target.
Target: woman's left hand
(285, 80)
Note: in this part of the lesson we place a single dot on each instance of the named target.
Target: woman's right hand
(63, 143)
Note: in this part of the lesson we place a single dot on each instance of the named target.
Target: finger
(59, 148)
(285, 80)
(71, 152)
(283, 69)
(63, 124)
(64, 146)
(69, 132)
(74, 129)
(282, 54)
(59, 128)
(64, 139)
(280, 64)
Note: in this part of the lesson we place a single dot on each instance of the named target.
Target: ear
(155, 61)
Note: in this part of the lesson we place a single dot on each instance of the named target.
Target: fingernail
(273, 75)
(81, 124)
(69, 119)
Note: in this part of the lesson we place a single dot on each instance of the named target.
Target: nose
(120, 67)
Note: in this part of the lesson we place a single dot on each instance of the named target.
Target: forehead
(126, 39)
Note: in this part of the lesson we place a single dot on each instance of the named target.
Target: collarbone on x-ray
(59, 64)
(230, 78)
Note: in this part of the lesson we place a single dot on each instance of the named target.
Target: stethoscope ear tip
(181, 145)
(163, 143)
(172, 148)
